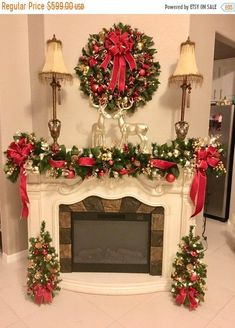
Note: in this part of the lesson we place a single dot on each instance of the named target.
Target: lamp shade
(186, 69)
(54, 64)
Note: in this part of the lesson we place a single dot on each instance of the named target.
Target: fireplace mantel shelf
(46, 194)
(67, 186)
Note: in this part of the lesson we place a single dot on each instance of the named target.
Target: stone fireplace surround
(101, 205)
(47, 194)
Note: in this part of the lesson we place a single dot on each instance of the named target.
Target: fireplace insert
(111, 242)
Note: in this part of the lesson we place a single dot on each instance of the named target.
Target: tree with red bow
(188, 287)
(43, 268)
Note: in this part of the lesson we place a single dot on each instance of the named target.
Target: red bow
(18, 152)
(43, 294)
(205, 157)
(160, 164)
(119, 47)
(190, 293)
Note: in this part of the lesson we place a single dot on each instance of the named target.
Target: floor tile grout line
(22, 318)
(219, 311)
(216, 249)
(132, 308)
(115, 321)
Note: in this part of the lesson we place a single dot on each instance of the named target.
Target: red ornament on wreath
(142, 72)
(117, 63)
(44, 252)
(170, 177)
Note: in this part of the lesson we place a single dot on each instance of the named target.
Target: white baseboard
(15, 257)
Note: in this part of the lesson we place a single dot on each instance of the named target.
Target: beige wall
(15, 114)
(26, 103)
(75, 112)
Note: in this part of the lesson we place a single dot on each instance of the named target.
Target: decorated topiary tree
(43, 268)
(188, 287)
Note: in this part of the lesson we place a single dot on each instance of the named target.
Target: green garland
(35, 156)
(140, 83)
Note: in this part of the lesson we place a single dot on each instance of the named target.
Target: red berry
(70, 174)
(44, 252)
(100, 89)
(142, 72)
(194, 253)
(96, 48)
(111, 162)
(193, 277)
(94, 87)
(101, 173)
(170, 177)
(55, 148)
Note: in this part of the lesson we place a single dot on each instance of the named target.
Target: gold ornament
(37, 275)
(179, 262)
(189, 267)
(31, 264)
(48, 257)
(38, 245)
(102, 35)
(85, 70)
(140, 45)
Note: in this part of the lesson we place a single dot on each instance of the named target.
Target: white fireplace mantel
(46, 194)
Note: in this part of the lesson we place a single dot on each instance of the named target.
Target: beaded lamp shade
(54, 63)
(186, 68)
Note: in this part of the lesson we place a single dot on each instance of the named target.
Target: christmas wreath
(118, 64)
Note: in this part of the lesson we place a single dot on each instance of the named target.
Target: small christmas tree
(189, 274)
(43, 268)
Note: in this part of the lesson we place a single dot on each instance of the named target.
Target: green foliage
(140, 83)
(189, 270)
(43, 266)
(115, 161)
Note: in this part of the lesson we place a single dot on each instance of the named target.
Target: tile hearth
(124, 205)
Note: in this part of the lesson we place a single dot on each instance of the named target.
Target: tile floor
(156, 310)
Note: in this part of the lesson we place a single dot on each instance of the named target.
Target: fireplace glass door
(111, 242)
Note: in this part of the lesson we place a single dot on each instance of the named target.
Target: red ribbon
(205, 157)
(86, 161)
(119, 47)
(43, 294)
(160, 164)
(123, 171)
(189, 293)
(19, 152)
(57, 164)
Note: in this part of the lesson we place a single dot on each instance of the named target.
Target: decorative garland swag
(27, 154)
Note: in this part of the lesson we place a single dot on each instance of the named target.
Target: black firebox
(111, 242)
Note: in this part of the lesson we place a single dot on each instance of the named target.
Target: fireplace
(115, 242)
(57, 200)
(102, 235)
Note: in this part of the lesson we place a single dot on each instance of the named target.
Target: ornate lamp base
(54, 127)
(181, 129)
